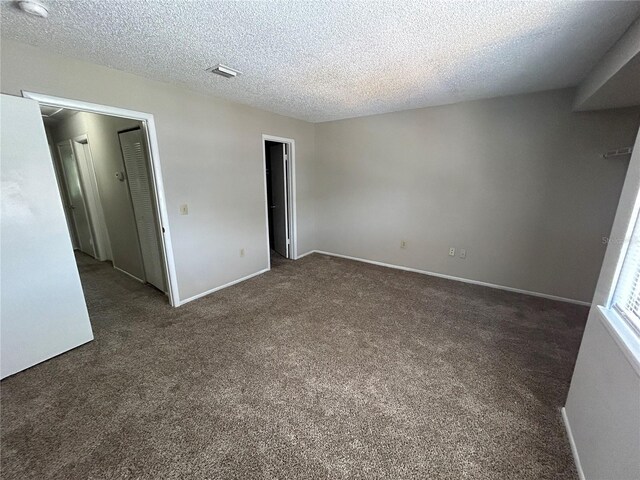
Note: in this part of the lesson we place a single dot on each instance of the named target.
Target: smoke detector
(224, 71)
(33, 8)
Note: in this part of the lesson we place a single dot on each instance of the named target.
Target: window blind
(626, 299)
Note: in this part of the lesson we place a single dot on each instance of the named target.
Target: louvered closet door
(135, 162)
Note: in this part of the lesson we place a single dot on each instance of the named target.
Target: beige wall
(607, 85)
(603, 405)
(102, 133)
(211, 157)
(516, 181)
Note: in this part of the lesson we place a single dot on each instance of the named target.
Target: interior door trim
(149, 127)
(291, 195)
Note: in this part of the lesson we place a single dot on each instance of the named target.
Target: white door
(65, 200)
(77, 198)
(136, 164)
(42, 307)
(89, 184)
(279, 199)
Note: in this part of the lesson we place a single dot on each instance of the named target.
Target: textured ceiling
(327, 60)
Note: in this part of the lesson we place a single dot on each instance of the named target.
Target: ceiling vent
(223, 71)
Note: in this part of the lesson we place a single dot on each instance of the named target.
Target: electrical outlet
(403, 244)
(242, 252)
(184, 209)
(452, 251)
(463, 253)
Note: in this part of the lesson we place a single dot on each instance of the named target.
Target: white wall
(603, 405)
(102, 133)
(211, 156)
(42, 308)
(516, 181)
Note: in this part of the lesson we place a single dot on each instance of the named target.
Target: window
(626, 298)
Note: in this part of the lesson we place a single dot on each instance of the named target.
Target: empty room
(319, 240)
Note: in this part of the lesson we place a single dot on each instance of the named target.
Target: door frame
(148, 125)
(291, 194)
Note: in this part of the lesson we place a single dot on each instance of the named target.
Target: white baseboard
(305, 254)
(203, 294)
(388, 265)
(574, 449)
(128, 274)
(457, 279)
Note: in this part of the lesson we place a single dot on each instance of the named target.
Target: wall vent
(224, 71)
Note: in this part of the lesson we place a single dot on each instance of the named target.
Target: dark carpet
(321, 368)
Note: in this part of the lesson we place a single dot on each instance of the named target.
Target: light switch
(184, 209)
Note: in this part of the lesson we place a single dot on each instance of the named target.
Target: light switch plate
(184, 209)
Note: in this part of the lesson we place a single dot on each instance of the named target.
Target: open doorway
(278, 163)
(106, 183)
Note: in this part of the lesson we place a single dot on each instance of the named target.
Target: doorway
(280, 196)
(111, 217)
(110, 184)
